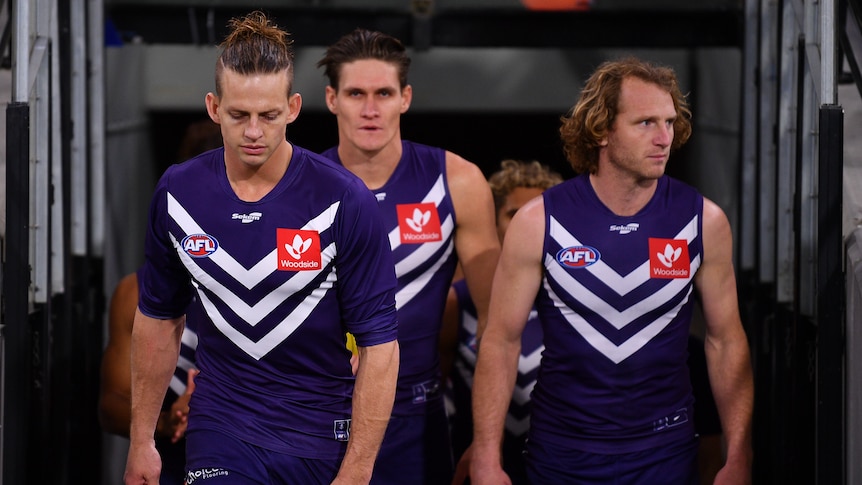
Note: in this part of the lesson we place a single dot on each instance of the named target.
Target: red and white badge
(668, 258)
(418, 223)
(298, 250)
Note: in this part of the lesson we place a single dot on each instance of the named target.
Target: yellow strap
(351, 343)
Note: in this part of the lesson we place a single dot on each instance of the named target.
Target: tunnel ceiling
(425, 24)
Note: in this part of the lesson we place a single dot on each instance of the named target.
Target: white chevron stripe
(521, 395)
(470, 323)
(263, 268)
(253, 314)
(177, 385)
(283, 330)
(468, 355)
(618, 319)
(517, 426)
(190, 338)
(425, 250)
(435, 195)
(616, 353)
(405, 294)
(184, 363)
(528, 363)
(621, 284)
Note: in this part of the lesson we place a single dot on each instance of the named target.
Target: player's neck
(623, 196)
(251, 182)
(373, 167)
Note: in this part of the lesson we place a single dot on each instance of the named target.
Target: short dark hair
(364, 44)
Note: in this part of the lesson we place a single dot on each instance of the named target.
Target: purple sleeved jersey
(417, 210)
(280, 281)
(616, 304)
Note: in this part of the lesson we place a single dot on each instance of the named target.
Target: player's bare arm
(516, 282)
(154, 353)
(726, 344)
(373, 398)
(476, 240)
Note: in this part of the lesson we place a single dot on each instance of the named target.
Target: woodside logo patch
(418, 223)
(668, 258)
(298, 250)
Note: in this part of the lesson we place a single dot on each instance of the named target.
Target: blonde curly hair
(517, 173)
(592, 117)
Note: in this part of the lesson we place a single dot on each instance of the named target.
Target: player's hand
(143, 465)
(486, 470)
(179, 412)
(733, 473)
(354, 363)
(462, 469)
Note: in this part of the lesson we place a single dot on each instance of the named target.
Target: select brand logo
(247, 218)
(668, 258)
(298, 250)
(625, 229)
(199, 245)
(418, 223)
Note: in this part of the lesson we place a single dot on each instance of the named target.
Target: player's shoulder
(330, 173)
(461, 170)
(679, 188)
(715, 220)
(533, 210)
(205, 164)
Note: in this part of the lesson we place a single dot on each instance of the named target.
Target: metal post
(830, 301)
(21, 51)
(828, 48)
(16, 282)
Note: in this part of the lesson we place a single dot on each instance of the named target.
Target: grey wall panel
(129, 169)
(444, 79)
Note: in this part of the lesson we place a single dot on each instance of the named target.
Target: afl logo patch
(199, 245)
(578, 256)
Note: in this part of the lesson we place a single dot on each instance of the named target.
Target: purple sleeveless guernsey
(616, 303)
(417, 210)
(279, 281)
(518, 416)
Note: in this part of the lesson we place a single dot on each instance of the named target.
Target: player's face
(253, 111)
(638, 144)
(514, 201)
(368, 105)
